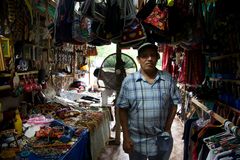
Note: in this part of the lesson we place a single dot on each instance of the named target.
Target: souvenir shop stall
(45, 45)
(37, 120)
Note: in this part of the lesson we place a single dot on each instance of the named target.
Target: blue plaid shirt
(147, 106)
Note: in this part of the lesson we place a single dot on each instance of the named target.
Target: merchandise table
(79, 151)
(89, 144)
(100, 136)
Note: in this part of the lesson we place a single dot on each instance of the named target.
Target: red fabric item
(195, 153)
(166, 59)
(191, 72)
(192, 68)
(208, 130)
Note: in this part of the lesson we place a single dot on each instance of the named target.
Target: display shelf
(5, 75)
(64, 76)
(5, 87)
(225, 80)
(230, 107)
(215, 58)
(26, 73)
(35, 45)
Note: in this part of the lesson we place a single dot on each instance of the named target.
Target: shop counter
(100, 136)
(88, 145)
(79, 151)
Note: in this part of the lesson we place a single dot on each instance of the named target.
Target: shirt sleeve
(175, 94)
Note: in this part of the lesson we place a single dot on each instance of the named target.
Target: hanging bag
(63, 21)
(95, 9)
(99, 10)
(154, 17)
(99, 34)
(133, 34)
(133, 31)
(81, 27)
(155, 13)
(158, 18)
(113, 22)
(146, 10)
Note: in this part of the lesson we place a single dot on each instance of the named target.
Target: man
(147, 105)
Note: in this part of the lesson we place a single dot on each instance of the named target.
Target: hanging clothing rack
(228, 125)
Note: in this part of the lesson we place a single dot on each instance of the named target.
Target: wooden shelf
(63, 76)
(35, 45)
(5, 87)
(215, 58)
(230, 107)
(225, 80)
(26, 73)
(5, 75)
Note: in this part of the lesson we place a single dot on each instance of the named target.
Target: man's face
(148, 59)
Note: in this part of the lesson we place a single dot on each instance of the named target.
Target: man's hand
(128, 145)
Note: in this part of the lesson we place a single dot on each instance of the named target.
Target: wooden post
(120, 75)
(74, 63)
(89, 70)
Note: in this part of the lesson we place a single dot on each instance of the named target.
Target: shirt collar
(140, 77)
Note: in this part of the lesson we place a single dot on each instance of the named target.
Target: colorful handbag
(133, 33)
(158, 18)
(81, 28)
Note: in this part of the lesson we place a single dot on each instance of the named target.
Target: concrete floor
(115, 152)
